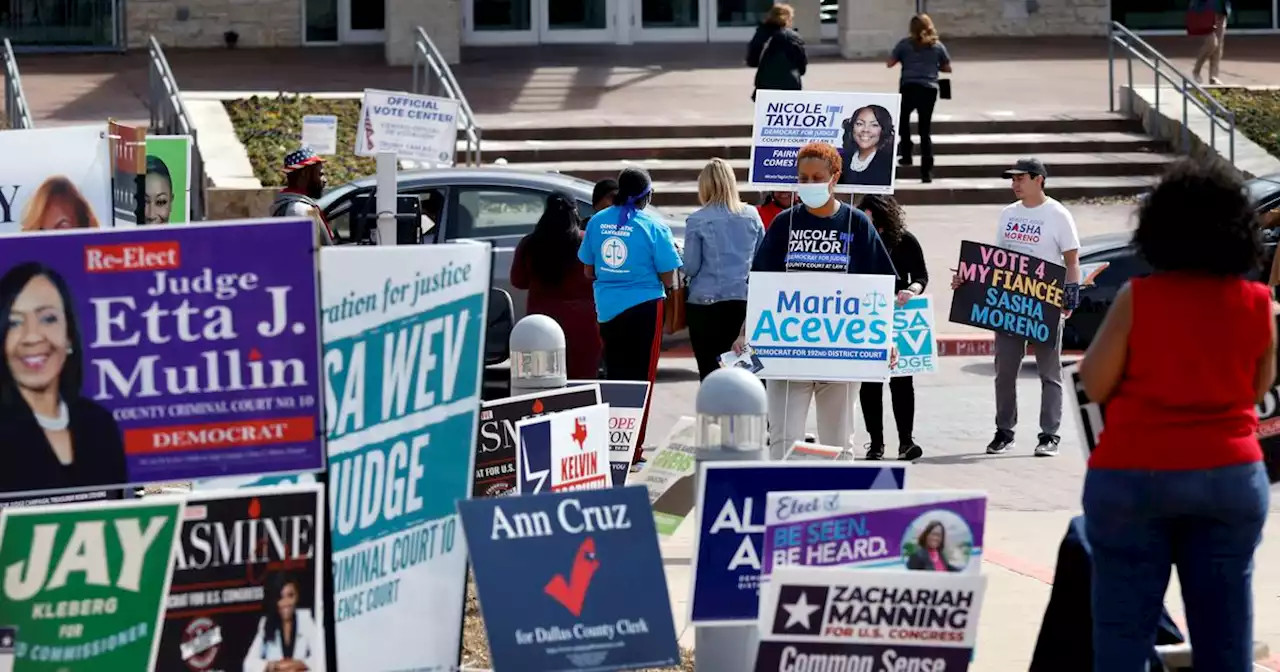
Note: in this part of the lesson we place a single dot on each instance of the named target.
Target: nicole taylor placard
(166, 354)
(404, 333)
(1009, 293)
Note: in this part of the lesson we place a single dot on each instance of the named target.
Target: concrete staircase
(1089, 156)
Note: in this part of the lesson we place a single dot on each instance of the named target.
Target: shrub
(269, 128)
(1257, 115)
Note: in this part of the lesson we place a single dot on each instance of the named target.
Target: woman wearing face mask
(862, 252)
(868, 147)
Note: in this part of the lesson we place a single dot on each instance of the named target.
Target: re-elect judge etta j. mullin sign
(159, 354)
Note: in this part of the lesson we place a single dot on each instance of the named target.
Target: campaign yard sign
(84, 584)
(563, 451)
(919, 530)
(803, 451)
(495, 470)
(245, 560)
(668, 475)
(730, 516)
(571, 581)
(194, 352)
(821, 326)
(404, 330)
(56, 178)
(1009, 293)
(627, 400)
(914, 335)
(813, 618)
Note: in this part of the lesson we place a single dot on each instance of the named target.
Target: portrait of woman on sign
(57, 204)
(931, 550)
(159, 191)
(867, 149)
(288, 639)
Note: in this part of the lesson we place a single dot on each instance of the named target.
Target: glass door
(669, 20)
(362, 21)
(498, 22)
(577, 21)
(736, 20)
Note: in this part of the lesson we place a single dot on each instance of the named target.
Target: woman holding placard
(783, 250)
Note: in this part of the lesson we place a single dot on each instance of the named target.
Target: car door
(1122, 264)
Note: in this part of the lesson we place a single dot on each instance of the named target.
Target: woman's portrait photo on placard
(288, 639)
(54, 437)
(159, 191)
(867, 147)
(938, 541)
(58, 204)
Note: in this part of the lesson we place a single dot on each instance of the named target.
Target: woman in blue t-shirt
(630, 256)
(786, 248)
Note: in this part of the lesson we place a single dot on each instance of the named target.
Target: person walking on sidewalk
(922, 57)
(1214, 40)
(1041, 227)
(777, 52)
(720, 241)
(786, 248)
(305, 182)
(1177, 477)
(630, 256)
(908, 260)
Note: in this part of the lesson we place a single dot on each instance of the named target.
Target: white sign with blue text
(416, 127)
(914, 335)
(821, 326)
(729, 543)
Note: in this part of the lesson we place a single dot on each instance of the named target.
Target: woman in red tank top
(1177, 479)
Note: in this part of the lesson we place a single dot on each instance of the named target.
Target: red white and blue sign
(571, 581)
(729, 546)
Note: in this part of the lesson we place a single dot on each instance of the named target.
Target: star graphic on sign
(800, 612)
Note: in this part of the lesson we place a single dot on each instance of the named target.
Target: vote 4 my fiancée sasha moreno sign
(919, 530)
(178, 353)
(730, 516)
(821, 326)
(495, 470)
(571, 581)
(84, 584)
(404, 340)
(1009, 292)
(827, 619)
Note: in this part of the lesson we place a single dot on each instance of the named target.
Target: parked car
(1108, 261)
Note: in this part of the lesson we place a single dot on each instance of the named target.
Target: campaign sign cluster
(571, 581)
(178, 352)
(820, 619)
(913, 333)
(728, 546)
(495, 470)
(821, 326)
(564, 451)
(626, 400)
(1009, 292)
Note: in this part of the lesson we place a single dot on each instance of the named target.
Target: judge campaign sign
(627, 400)
(821, 326)
(861, 126)
(404, 335)
(571, 581)
(730, 516)
(564, 451)
(913, 333)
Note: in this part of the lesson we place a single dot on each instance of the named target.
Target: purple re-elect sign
(159, 354)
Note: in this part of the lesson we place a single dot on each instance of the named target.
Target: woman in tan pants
(1211, 50)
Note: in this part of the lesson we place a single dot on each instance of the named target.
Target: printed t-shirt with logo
(627, 257)
(801, 241)
(1045, 232)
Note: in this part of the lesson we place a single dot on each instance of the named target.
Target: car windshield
(1263, 189)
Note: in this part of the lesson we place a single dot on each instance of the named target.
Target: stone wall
(201, 23)
(1018, 18)
(442, 19)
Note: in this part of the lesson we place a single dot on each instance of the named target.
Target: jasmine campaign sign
(861, 126)
(921, 530)
(813, 618)
(914, 335)
(404, 332)
(627, 400)
(564, 451)
(495, 470)
(84, 584)
(571, 581)
(730, 516)
(417, 127)
(821, 326)
(182, 353)
(1009, 292)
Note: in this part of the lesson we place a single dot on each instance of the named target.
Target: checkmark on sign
(572, 593)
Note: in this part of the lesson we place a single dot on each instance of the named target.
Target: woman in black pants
(922, 57)
(908, 258)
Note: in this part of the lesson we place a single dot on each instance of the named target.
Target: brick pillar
(870, 28)
(442, 19)
(808, 19)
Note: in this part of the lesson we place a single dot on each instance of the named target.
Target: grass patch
(271, 127)
(1257, 115)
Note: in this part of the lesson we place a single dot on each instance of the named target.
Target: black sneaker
(910, 452)
(926, 177)
(1001, 444)
(810, 438)
(1048, 445)
(875, 450)
(904, 160)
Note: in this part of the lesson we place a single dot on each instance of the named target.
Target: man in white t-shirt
(1041, 227)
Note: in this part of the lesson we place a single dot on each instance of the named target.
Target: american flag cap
(301, 158)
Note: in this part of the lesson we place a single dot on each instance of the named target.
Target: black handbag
(944, 88)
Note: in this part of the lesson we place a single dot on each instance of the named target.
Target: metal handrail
(1190, 92)
(15, 100)
(169, 116)
(433, 76)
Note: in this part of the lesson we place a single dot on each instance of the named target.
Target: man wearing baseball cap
(305, 180)
(1038, 226)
